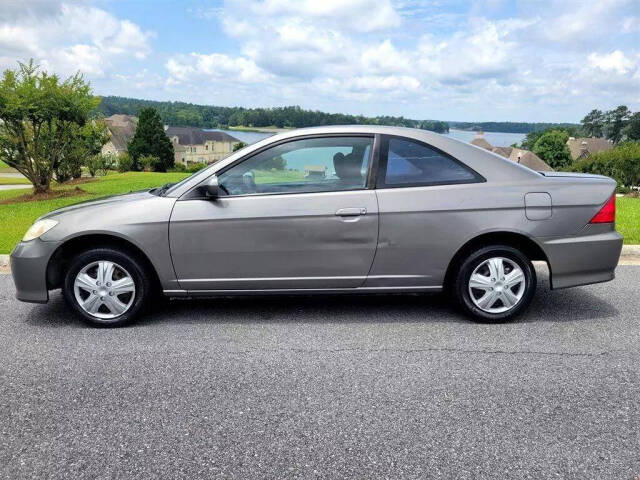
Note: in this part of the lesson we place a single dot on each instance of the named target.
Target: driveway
(326, 387)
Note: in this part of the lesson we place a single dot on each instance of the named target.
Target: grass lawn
(4, 168)
(275, 176)
(628, 219)
(13, 181)
(16, 218)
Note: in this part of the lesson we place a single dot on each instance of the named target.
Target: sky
(464, 60)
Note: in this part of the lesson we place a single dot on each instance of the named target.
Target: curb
(627, 251)
(630, 250)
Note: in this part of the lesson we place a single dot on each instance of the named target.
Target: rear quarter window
(410, 163)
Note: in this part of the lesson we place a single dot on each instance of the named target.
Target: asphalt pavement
(325, 387)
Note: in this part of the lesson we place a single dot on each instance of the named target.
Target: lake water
(497, 139)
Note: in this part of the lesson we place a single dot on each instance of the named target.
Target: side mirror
(213, 187)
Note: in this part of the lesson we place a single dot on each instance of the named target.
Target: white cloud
(480, 52)
(334, 52)
(549, 60)
(631, 25)
(355, 15)
(69, 37)
(615, 61)
(196, 67)
(573, 22)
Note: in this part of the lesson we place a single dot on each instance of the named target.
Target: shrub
(178, 167)
(125, 163)
(147, 162)
(195, 167)
(99, 164)
(238, 146)
(622, 164)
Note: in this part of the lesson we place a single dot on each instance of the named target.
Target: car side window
(410, 163)
(302, 166)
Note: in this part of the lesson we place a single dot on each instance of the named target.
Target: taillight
(607, 213)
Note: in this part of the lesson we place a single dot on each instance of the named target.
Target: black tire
(473, 260)
(141, 279)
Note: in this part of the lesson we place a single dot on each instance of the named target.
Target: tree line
(205, 116)
(509, 127)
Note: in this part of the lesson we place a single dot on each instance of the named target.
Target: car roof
(360, 129)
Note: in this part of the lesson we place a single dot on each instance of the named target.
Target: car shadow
(554, 306)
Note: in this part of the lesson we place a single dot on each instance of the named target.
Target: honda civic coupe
(355, 209)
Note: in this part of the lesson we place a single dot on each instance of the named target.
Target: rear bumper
(29, 262)
(584, 259)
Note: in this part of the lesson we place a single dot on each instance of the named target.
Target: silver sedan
(355, 209)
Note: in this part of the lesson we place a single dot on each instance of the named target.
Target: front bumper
(588, 258)
(29, 262)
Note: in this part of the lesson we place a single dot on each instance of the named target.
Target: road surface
(325, 387)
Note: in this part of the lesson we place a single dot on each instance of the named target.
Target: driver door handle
(351, 212)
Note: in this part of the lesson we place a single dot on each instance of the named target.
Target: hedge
(622, 164)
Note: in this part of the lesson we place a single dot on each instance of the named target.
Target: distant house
(316, 172)
(121, 130)
(583, 147)
(517, 155)
(480, 141)
(195, 145)
(529, 159)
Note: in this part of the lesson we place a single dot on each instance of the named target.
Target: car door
(296, 215)
(428, 203)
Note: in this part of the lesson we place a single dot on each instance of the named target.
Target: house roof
(504, 151)
(529, 159)
(582, 147)
(122, 128)
(198, 136)
(481, 142)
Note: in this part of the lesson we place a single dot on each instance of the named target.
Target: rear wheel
(495, 283)
(106, 287)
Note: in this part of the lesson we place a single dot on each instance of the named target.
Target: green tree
(40, 120)
(275, 163)
(150, 140)
(615, 121)
(239, 145)
(530, 139)
(89, 141)
(593, 123)
(552, 148)
(632, 130)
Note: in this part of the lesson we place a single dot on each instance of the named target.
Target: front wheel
(495, 283)
(106, 287)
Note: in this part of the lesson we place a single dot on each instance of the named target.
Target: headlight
(39, 228)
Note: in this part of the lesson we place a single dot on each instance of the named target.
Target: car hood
(89, 204)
